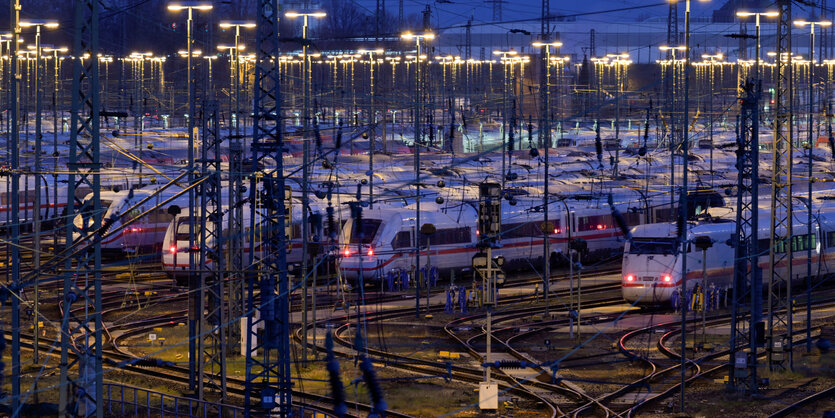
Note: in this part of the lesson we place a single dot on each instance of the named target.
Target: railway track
(179, 375)
(460, 373)
(826, 394)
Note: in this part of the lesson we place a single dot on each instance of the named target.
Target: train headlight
(667, 278)
(630, 278)
(347, 252)
(371, 252)
(173, 249)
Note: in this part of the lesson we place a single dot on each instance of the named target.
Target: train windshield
(664, 246)
(365, 233)
(183, 230)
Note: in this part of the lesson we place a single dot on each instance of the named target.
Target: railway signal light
(489, 213)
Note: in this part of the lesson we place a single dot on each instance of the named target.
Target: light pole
(683, 199)
(235, 69)
(195, 311)
(209, 59)
(36, 226)
(673, 67)
(305, 161)
(234, 85)
(417, 37)
(545, 129)
(372, 122)
(235, 219)
(505, 87)
(55, 89)
(757, 16)
(712, 59)
(138, 59)
(811, 146)
(620, 61)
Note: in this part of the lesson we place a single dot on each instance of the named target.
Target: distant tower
(592, 44)
(497, 9)
(468, 45)
(672, 25)
(379, 21)
(400, 14)
(427, 18)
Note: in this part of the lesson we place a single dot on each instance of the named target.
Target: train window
(365, 234)
(830, 239)
(183, 230)
(664, 214)
(160, 216)
(665, 246)
(632, 219)
(403, 239)
(594, 223)
(802, 242)
(448, 236)
(521, 230)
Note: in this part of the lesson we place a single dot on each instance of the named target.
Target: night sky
(457, 11)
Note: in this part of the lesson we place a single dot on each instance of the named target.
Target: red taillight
(347, 252)
(630, 278)
(173, 249)
(601, 226)
(136, 230)
(667, 278)
(556, 230)
(371, 252)
(477, 232)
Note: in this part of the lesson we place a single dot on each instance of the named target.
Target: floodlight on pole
(757, 16)
(37, 24)
(190, 5)
(195, 316)
(306, 74)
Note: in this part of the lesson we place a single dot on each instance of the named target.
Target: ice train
(385, 241)
(652, 262)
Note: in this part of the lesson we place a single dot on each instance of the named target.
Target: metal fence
(123, 400)
(129, 401)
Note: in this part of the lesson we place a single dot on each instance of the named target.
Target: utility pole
(268, 355)
(810, 145)
(14, 237)
(82, 276)
(747, 288)
(682, 203)
(779, 285)
(212, 305)
(418, 105)
(305, 163)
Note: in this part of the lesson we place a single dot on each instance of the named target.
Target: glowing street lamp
(305, 158)
(36, 232)
(195, 379)
(417, 37)
(811, 146)
(757, 16)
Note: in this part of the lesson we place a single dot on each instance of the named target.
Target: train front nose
(647, 289)
(351, 262)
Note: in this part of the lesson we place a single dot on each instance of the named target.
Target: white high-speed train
(387, 242)
(146, 232)
(652, 262)
(175, 244)
(52, 205)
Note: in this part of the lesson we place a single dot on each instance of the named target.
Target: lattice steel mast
(780, 258)
(268, 357)
(747, 288)
(82, 280)
(212, 307)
